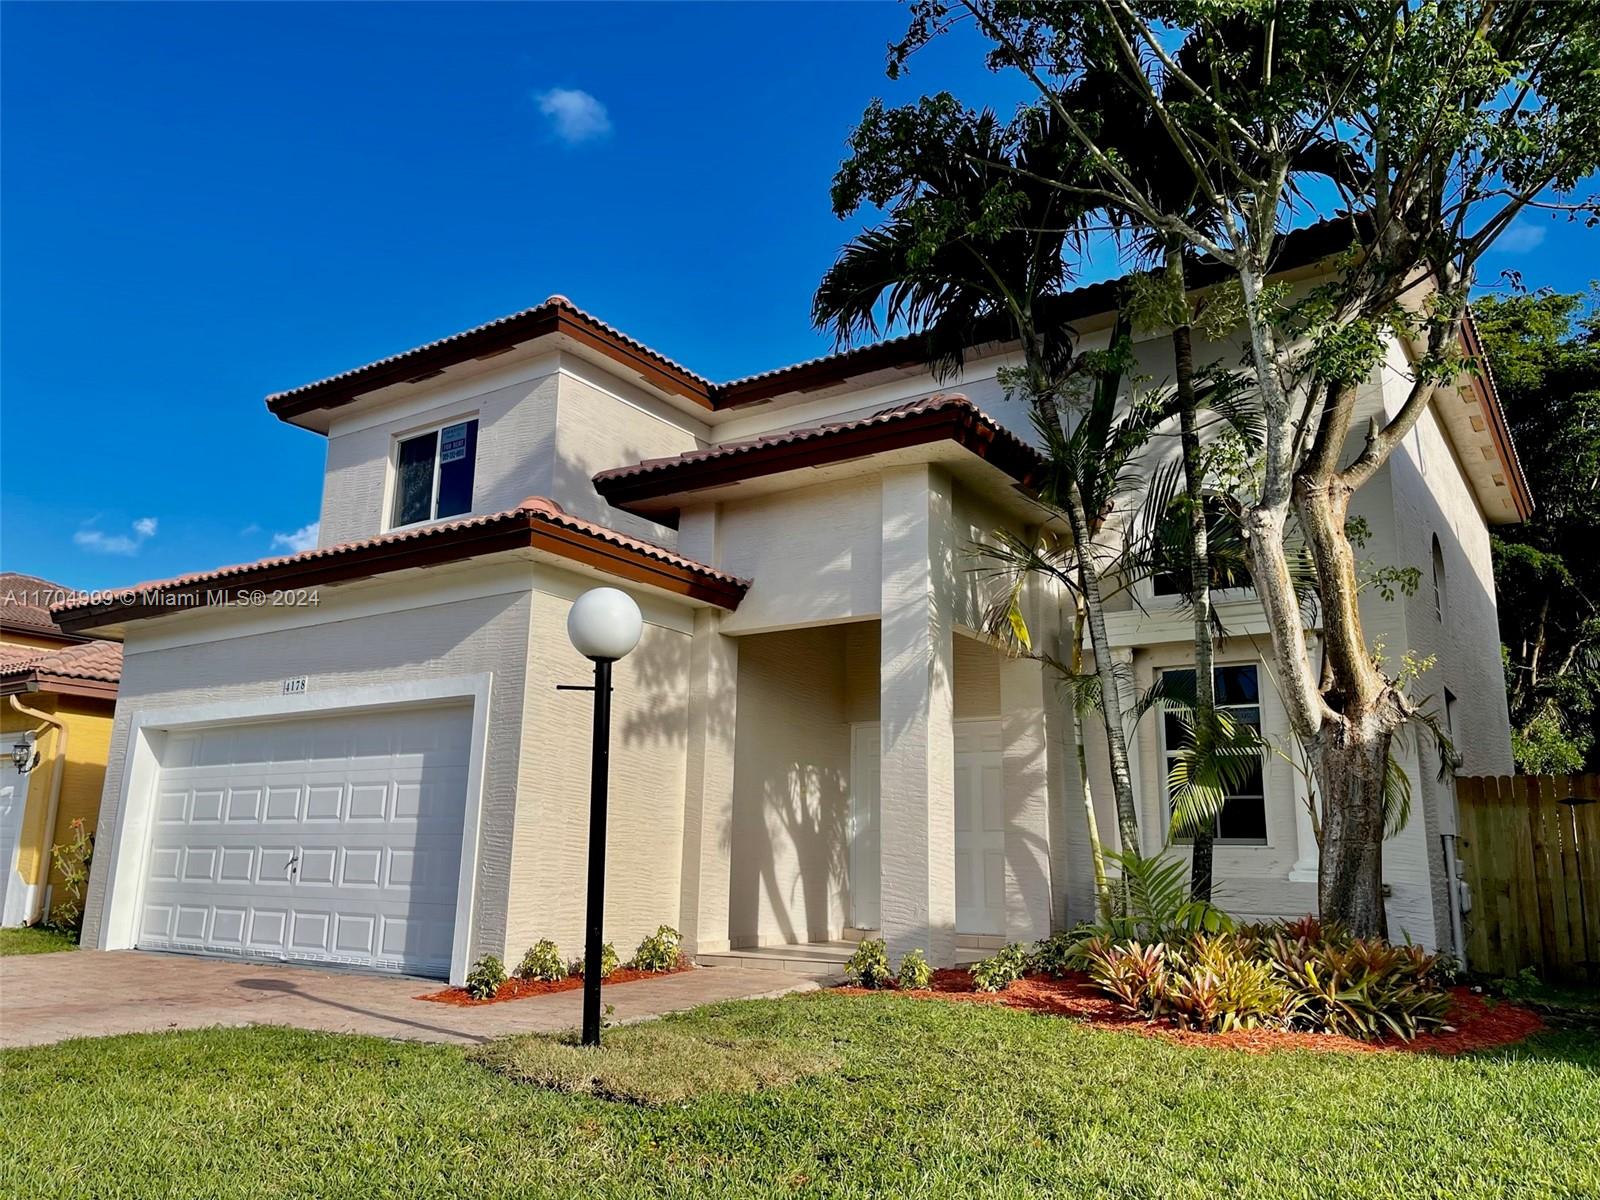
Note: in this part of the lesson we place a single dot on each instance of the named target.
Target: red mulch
(1477, 1024)
(521, 989)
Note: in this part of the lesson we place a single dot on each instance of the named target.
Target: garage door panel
(336, 839)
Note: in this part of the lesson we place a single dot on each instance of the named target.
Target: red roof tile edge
(145, 599)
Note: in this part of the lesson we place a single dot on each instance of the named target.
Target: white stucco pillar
(708, 780)
(1025, 771)
(708, 787)
(917, 776)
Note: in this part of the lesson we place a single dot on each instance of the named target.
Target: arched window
(1438, 579)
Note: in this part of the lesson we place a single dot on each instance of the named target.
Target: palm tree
(974, 249)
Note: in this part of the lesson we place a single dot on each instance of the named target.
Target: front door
(980, 829)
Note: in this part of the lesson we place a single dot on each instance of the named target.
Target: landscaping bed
(1475, 1022)
(521, 989)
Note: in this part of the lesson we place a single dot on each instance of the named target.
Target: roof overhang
(943, 428)
(25, 682)
(537, 526)
(1478, 423)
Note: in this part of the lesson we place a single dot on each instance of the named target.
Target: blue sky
(206, 203)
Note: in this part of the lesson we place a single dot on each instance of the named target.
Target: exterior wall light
(604, 625)
(25, 755)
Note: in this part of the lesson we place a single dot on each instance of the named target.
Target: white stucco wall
(791, 806)
(545, 427)
(650, 719)
(516, 451)
(813, 554)
(348, 648)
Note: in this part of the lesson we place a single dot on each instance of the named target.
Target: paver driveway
(89, 993)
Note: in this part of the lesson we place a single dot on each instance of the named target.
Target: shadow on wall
(789, 836)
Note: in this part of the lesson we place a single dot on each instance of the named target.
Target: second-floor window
(433, 473)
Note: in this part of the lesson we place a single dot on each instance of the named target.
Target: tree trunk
(1205, 694)
(1102, 892)
(1351, 749)
(1110, 690)
(1349, 761)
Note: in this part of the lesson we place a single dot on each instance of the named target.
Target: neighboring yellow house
(58, 691)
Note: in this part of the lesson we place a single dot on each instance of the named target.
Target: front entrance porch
(820, 807)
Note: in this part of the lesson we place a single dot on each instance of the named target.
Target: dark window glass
(1243, 820)
(458, 455)
(1237, 685)
(413, 499)
(1244, 814)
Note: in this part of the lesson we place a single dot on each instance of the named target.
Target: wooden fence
(1530, 854)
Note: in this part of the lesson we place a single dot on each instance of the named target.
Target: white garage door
(333, 839)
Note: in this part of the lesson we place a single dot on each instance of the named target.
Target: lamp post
(604, 625)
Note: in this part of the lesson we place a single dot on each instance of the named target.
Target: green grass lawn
(920, 1099)
(34, 940)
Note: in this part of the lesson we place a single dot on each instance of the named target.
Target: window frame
(1144, 588)
(392, 492)
(1166, 755)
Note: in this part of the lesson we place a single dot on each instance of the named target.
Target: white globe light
(604, 623)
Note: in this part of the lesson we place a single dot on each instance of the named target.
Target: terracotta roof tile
(25, 602)
(944, 402)
(97, 660)
(551, 303)
(143, 599)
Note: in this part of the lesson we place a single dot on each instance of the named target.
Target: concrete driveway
(91, 993)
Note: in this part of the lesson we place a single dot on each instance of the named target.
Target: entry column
(917, 778)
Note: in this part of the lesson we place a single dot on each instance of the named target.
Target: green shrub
(608, 961)
(999, 972)
(915, 973)
(869, 965)
(72, 861)
(487, 977)
(542, 961)
(1061, 952)
(660, 951)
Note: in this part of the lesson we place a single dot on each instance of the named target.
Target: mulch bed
(521, 989)
(1477, 1023)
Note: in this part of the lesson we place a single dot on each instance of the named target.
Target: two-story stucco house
(358, 754)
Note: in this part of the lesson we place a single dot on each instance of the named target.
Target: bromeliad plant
(1303, 975)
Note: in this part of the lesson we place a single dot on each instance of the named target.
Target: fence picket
(1532, 864)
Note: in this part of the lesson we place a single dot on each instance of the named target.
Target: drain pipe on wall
(58, 768)
(1455, 886)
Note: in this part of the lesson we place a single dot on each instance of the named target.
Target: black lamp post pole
(599, 771)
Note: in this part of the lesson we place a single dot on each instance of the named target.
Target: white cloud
(1520, 238)
(304, 538)
(100, 542)
(575, 115)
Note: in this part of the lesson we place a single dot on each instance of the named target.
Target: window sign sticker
(453, 443)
